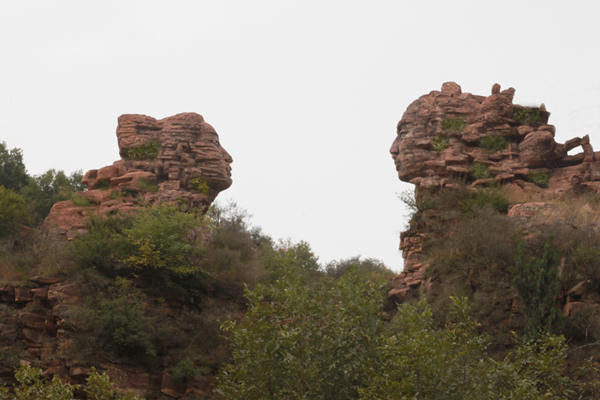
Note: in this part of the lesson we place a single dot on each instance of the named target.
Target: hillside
(143, 277)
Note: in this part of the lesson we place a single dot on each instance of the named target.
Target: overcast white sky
(305, 95)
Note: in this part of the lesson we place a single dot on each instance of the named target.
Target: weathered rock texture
(444, 135)
(448, 134)
(176, 160)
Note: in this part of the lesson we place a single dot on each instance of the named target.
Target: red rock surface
(441, 136)
(464, 120)
(161, 161)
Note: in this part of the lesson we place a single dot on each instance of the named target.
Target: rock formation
(481, 139)
(484, 141)
(177, 160)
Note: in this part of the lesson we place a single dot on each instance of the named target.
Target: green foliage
(493, 198)
(539, 178)
(103, 184)
(303, 342)
(199, 184)
(123, 328)
(158, 245)
(454, 124)
(13, 213)
(163, 246)
(585, 260)
(481, 171)
(147, 186)
(42, 191)
(493, 143)
(365, 268)
(185, 369)
(527, 115)
(103, 247)
(13, 174)
(298, 256)
(538, 285)
(233, 257)
(146, 151)
(31, 386)
(440, 143)
(80, 201)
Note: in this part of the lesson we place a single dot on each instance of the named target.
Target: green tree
(31, 386)
(13, 213)
(300, 341)
(42, 191)
(538, 284)
(13, 174)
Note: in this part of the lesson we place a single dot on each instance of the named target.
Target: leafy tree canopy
(13, 174)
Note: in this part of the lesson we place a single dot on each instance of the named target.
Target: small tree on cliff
(538, 285)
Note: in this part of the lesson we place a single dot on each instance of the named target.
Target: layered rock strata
(177, 160)
(484, 141)
(448, 133)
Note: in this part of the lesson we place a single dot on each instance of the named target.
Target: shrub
(587, 266)
(454, 124)
(146, 151)
(123, 328)
(481, 171)
(538, 285)
(299, 341)
(13, 213)
(367, 268)
(185, 369)
(199, 184)
(440, 143)
(147, 186)
(31, 386)
(493, 198)
(526, 115)
(493, 143)
(103, 248)
(103, 184)
(539, 178)
(80, 201)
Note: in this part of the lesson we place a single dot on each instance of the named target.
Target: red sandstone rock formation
(445, 133)
(176, 160)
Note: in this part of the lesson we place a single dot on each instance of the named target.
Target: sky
(305, 95)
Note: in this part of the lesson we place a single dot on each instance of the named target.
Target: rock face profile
(484, 141)
(489, 139)
(177, 160)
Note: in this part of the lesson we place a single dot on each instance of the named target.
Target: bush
(587, 266)
(103, 248)
(13, 213)
(164, 248)
(199, 184)
(493, 198)
(299, 341)
(493, 143)
(481, 171)
(440, 143)
(31, 386)
(539, 178)
(146, 151)
(123, 328)
(454, 124)
(526, 115)
(367, 268)
(538, 285)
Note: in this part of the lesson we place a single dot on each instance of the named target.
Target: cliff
(493, 185)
